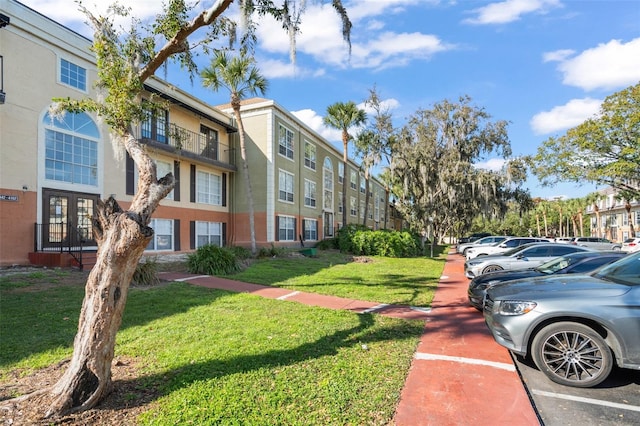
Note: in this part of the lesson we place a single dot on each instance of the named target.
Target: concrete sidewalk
(459, 375)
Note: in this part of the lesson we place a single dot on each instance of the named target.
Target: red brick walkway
(459, 375)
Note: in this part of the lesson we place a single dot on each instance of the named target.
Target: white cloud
(557, 56)
(493, 164)
(609, 66)
(320, 37)
(510, 10)
(272, 68)
(566, 116)
(314, 121)
(386, 105)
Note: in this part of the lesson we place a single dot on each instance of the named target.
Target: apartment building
(53, 170)
(297, 180)
(613, 217)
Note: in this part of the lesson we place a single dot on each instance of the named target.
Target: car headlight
(514, 307)
(473, 262)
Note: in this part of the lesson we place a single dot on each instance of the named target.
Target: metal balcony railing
(188, 141)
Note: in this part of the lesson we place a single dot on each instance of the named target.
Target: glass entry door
(67, 218)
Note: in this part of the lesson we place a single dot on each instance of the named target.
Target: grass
(227, 358)
(408, 281)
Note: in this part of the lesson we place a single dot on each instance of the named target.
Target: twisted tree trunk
(122, 237)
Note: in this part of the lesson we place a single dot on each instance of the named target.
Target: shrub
(213, 260)
(273, 251)
(146, 272)
(328, 244)
(241, 252)
(360, 241)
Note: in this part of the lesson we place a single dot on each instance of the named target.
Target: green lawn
(225, 358)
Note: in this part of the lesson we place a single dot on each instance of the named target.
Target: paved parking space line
(286, 296)
(375, 308)
(587, 400)
(434, 357)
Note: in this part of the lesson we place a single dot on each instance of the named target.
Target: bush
(146, 273)
(273, 251)
(328, 244)
(213, 260)
(241, 252)
(360, 241)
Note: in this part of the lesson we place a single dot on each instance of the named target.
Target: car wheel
(492, 268)
(572, 354)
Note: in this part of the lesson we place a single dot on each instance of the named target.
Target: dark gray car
(582, 262)
(574, 327)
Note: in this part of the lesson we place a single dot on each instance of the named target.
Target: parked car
(505, 245)
(581, 262)
(563, 240)
(596, 243)
(523, 257)
(473, 237)
(574, 327)
(492, 239)
(631, 244)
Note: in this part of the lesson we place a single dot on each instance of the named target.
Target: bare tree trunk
(122, 237)
(345, 145)
(366, 198)
(235, 103)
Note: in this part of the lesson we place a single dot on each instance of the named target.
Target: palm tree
(239, 75)
(343, 116)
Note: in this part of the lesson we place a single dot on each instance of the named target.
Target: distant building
(614, 218)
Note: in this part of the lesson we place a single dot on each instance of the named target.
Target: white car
(507, 244)
(493, 239)
(522, 257)
(631, 245)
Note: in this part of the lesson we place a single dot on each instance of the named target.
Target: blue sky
(543, 65)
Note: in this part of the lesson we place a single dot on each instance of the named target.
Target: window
(328, 185)
(209, 188)
(310, 229)
(353, 182)
(73, 75)
(362, 209)
(208, 233)
(625, 220)
(638, 217)
(285, 142)
(162, 168)
(210, 139)
(353, 211)
(309, 193)
(363, 184)
(286, 187)
(154, 125)
(162, 236)
(71, 149)
(340, 172)
(340, 207)
(286, 228)
(310, 155)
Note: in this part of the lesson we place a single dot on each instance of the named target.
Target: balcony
(190, 144)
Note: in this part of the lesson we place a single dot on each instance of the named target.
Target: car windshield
(624, 271)
(554, 265)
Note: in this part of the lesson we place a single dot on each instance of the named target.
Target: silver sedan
(522, 257)
(574, 327)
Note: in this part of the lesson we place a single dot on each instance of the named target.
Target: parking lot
(616, 401)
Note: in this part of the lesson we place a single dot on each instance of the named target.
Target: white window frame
(157, 225)
(363, 185)
(310, 193)
(211, 193)
(286, 186)
(310, 230)
(310, 155)
(285, 142)
(210, 231)
(340, 206)
(340, 172)
(353, 207)
(353, 180)
(73, 75)
(288, 225)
